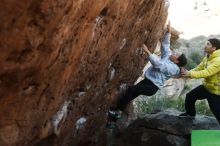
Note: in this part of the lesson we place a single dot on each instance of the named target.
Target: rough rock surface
(164, 129)
(172, 89)
(62, 62)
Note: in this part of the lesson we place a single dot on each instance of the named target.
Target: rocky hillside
(62, 62)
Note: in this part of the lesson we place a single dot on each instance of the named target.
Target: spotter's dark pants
(200, 93)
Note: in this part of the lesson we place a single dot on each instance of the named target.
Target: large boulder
(164, 128)
(62, 62)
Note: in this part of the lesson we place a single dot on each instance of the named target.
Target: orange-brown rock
(61, 64)
(175, 35)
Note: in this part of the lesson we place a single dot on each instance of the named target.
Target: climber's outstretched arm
(165, 43)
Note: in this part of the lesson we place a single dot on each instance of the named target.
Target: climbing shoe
(114, 114)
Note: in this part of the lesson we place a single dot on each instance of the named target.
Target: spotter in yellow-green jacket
(209, 69)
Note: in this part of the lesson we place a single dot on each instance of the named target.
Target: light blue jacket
(162, 68)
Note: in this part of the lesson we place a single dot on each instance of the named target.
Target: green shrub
(187, 87)
(153, 104)
(194, 58)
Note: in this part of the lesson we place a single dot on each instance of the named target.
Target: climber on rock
(161, 69)
(209, 69)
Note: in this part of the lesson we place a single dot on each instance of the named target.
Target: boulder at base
(164, 128)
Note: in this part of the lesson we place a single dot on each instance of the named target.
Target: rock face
(62, 62)
(164, 129)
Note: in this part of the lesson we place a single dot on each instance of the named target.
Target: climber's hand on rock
(146, 49)
(169, 27)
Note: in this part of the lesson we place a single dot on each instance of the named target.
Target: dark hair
(215, 43)
(182, 60)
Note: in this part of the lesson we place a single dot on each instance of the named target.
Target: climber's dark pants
(200, 93)
(144, 87)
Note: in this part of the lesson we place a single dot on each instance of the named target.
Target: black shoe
(186, 115)
(114, 114)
